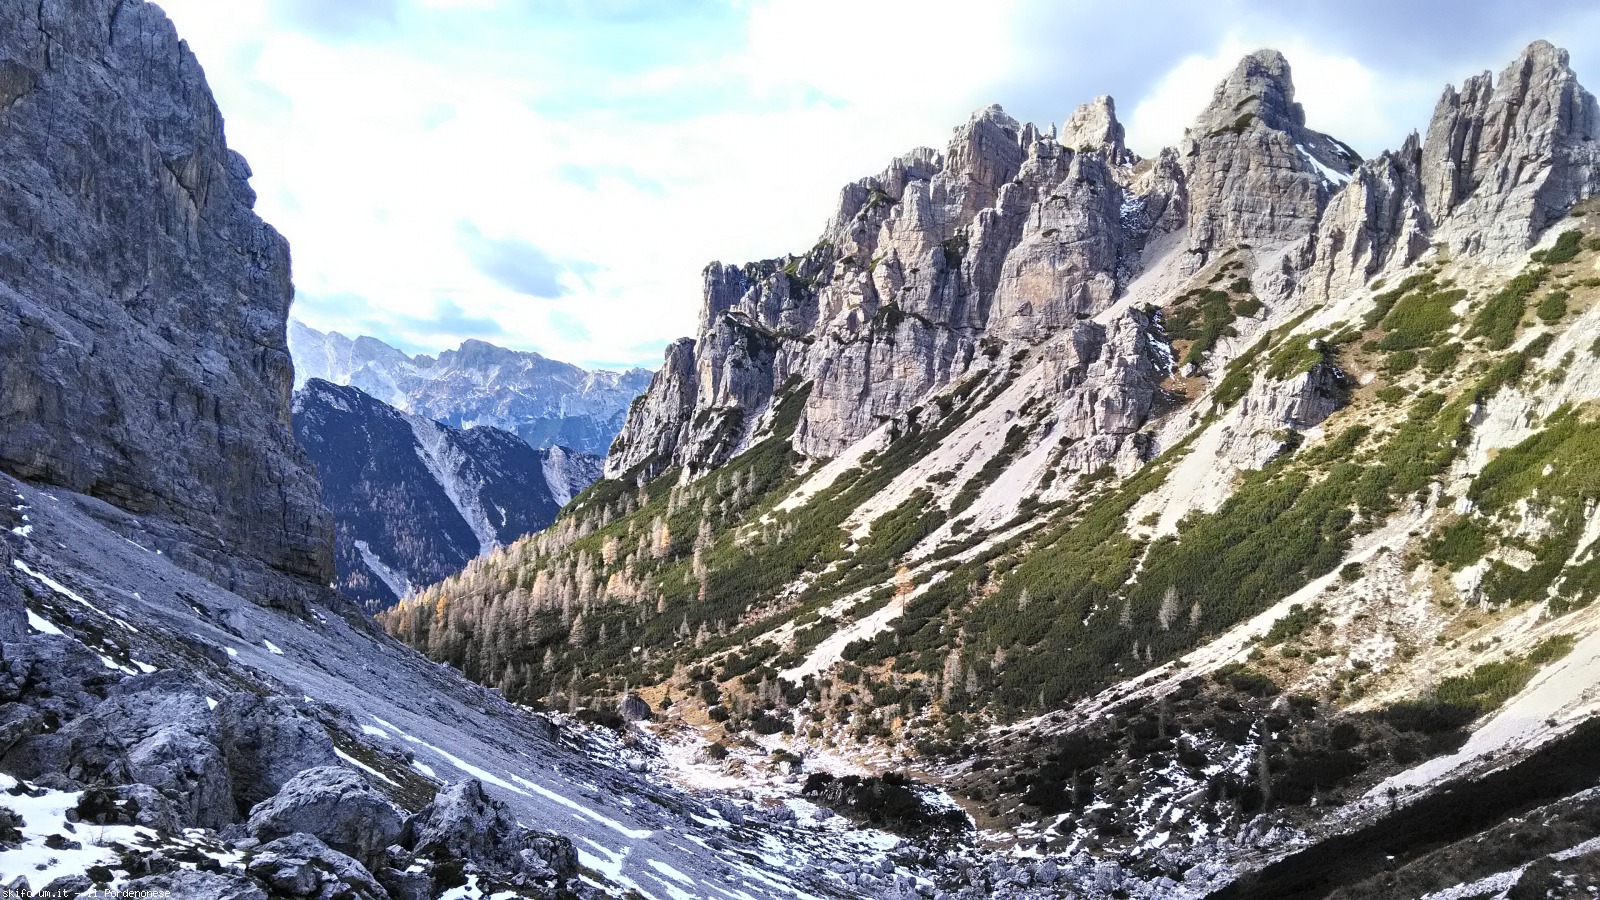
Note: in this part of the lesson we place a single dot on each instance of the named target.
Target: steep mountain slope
(1173, 513)
(544, 402)
(185, 709)
(414, 500)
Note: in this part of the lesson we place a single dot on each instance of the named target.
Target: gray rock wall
(142, 302)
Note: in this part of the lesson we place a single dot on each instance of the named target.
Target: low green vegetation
(1203, 316)
(1490, 685)
(1553, 307)
(1500, 317)
(1565, 249)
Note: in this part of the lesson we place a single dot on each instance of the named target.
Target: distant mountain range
(414, 500)
(545, 402)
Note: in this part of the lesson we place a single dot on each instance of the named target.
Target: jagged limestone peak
(1094, 125)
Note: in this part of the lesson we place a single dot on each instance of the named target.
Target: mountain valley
(1062, 523)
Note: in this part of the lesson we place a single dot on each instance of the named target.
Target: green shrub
(1497, 321)
(1400, 362)
(1553, 308)
(1566, 248)
(1246, 680)
(1459, 544)
(1392, 394)
(1299, 620)
(1441, 358)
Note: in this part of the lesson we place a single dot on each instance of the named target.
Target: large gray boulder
(142, 302)
(156, 730)
(193, 885)
(464, 822)
(337, 806)
(302, 866)
(268, 742)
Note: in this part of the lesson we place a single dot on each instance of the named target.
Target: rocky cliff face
(1011, 235)
(1501, 161)
(544, 402)
(1255, 174)
(414, 500)
(142, 302)
(1008, 234)
(1504, 159)
(163, 731)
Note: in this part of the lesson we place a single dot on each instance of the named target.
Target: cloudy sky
(552, 175)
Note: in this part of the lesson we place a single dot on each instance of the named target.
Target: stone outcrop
(142, 301)
(267, 742)
(337, 806)
(1009, 234)
(1505, 159)
(1255, 173)
(156, 730)
(1376, 222)
(1268, 419)
(299, 865)
(463, 822)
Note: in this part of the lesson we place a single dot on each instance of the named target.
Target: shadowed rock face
(416, 500)
(142, 302)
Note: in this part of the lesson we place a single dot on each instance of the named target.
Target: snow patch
(637, 834)
(363, 766)
(40, 624)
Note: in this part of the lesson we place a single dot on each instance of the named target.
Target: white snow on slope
(1332, 176)
(361, 765)
(67, 592)
(397, 582)
(46, 815)
(41, 624)
(477, 772)
(637, 834)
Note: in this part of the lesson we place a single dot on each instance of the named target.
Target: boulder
(67, 886)
(193, 885)
(267, 742)
(334, 804)
(128, 804)
(464, 822)
(157, 730)
(299, 865)
(634, 708)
